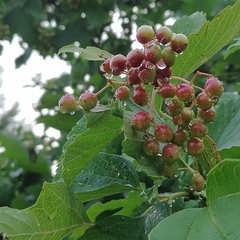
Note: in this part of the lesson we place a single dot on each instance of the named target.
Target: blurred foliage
(48, 25)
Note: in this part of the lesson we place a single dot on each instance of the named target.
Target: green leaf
(225, 129)
(89, 53)
(15, 150)
(55, 215)
(85, 145)
(105, 175)
(123, 227)
(125, 207)
(223, 180)
(189, 24)
(208, 40)
(233, 47)
(218, 221)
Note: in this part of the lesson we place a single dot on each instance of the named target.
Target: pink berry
(141, 121)
(88, 100)
(67, 103)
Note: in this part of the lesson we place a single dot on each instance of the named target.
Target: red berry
(88, 100)
(141, 121)
(203, 101)
(179, 42)
(198, 129)
(198, 182)
(213, 88)
(180, 136)
(175, 107)
(164, 34)
(168, 56)
(184, 117)
(147, 75)
(165, 73)
(135, 58)
(151, 147)
(207, 116)
(123, 93)
(67, 103)
(106, 66)
(153, 53)
(167, 90)
(133, 78)
(185, 92)
(163, 133)
(195, 146)
(118, 64)
(170, 153)
(140, 96)
(145, 34)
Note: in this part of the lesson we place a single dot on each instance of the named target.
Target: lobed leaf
(83, 146)
(54, 216)
(105, 175)
(223, 180)
(217, 221)
(208, 40)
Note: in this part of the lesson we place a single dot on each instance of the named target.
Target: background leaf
(87, 144)
(223, 180)
(226, 127)
(105, 175)
(55, 214)
(218, 221)
(208, 40)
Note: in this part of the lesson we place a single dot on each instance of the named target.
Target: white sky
(13, 80)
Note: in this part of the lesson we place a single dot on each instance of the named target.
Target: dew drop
(168, 101)
(72, 113)
(161, 65)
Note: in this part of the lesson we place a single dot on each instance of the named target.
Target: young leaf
(85, 145)
(225, 129)
(189, 24)
(208, 40)
(55, 215)
(88, 53)
(218, 221)
(105, 175)
(223, 180)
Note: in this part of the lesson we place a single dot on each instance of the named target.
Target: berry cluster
(187, 107)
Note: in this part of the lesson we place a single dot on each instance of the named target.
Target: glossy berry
(145, 34)
(123, 93)
(152, 53)
(147, 75)
(165, 73)
(198, 182)
(135, 58)
(169, 170)
(88, 100)
(118, 64)
(168, 56)
(151, 147)
(140, 96)
(213, 88)
(185, 92)
(203, 101)
(163, 34)
(163, 133)
(179, 42)
(175, 107)
(67, 103)
(198, 129)
(180, 136)
(167, 90)
(184, 118)
(195, 146)
(105, 67)
(170, 153)
(141, 121)
(207, 116)
(133, 77)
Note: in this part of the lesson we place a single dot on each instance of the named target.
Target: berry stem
(215, 148)
(104, 88)
(152, 103)
(191, 170)
(197, 74)
(170, 197)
